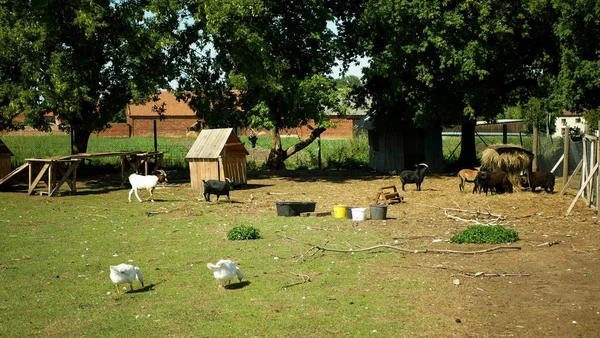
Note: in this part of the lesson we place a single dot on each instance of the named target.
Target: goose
(125, 273)
(224, 271)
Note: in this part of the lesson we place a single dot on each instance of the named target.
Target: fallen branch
(479, 274)
(547, 243)
(495, 221)
(321, 248)
(164, 211)
(305, 279)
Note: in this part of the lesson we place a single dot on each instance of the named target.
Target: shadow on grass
(146, 288)
(239, 285)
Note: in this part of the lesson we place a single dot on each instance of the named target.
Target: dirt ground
(555, 291)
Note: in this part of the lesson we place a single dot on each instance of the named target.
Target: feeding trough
(294, 208)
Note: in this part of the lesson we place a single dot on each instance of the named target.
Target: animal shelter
(215, 155)
(509, 158)
(5, 155)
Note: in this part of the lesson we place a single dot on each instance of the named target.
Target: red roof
(172, 107)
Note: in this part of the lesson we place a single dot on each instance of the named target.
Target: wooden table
(66, 169)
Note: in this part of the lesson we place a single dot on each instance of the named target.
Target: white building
(568, 119)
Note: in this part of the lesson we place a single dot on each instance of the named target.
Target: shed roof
(211, 142)
(4, 149)
(172, 106)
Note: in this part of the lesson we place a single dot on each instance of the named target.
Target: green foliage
(482, 234)
(242, 233)
(85, 61)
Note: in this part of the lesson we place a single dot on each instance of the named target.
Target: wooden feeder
(387, 195)
(215, 155)
(5, 155)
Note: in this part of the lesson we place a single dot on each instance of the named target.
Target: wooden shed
(5, 155)
(215, 155)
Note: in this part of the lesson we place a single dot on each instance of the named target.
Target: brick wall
(116, 130)
(344, 130)
(171, 126)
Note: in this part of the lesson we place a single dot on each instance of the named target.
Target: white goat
(146, 182)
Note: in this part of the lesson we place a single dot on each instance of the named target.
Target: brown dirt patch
(560, 297)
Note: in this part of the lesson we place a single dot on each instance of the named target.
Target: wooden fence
(586, 170)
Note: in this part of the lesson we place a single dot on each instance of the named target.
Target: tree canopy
(276, 56)
(84, 60)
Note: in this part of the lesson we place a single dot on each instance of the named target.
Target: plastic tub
(294, 208)
(359, 214)
(378, 211)
(339, 211)
(349, 212)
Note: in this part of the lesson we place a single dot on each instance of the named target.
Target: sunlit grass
(56, 253)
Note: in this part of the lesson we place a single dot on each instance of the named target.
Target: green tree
(273, 56)
(439, 63)
(85, 60)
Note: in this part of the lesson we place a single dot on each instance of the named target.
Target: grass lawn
(57, 251)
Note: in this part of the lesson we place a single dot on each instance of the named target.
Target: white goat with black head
(146, 182)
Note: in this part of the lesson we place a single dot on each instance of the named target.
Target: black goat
(414, 176)
(497, 182)
(214, 187)
(542, 179)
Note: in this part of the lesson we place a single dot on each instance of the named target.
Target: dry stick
(320, 248)
(480, 274)
(150, 213)
(474, 221)
(305, 279)
(547, 243)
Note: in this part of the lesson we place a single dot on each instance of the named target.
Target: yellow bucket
(339, 211)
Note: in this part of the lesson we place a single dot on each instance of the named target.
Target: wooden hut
(5, 155)
(215, 155)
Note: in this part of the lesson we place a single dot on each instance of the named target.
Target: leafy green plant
(480, 234)
(242, 233)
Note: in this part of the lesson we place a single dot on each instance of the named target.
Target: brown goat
(467, 175)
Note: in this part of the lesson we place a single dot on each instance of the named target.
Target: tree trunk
(468, 153)
(79, 139)
(278, 155)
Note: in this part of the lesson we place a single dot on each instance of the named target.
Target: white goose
(224, 271)
(125, 273)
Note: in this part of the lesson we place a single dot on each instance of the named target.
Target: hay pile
(509, 158)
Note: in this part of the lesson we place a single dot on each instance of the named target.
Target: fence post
(536, 130)
(566, 158)
(155, 140)
(504, 133)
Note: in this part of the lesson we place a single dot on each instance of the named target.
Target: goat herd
(485, 180)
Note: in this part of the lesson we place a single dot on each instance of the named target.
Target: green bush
(242, 233)
(480, 234)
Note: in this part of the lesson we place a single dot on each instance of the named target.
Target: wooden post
(597, 140)
(566, 158)
(534, 165)
(504, 133)
(155, 140)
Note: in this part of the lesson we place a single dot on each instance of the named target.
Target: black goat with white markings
(219, 188)
(414, 176)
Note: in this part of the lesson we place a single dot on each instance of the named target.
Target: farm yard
(57, 251)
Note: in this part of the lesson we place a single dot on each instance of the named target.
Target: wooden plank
(33, 184)
(581, 191)
(15, 173)
(565, 185)
(64, 179)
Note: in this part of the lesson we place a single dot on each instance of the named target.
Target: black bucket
(349, 212)
(378, 211)
(294, 208)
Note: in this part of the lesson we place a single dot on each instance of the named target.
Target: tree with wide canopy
(269, 69)
(437, 63)
(85, 60)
